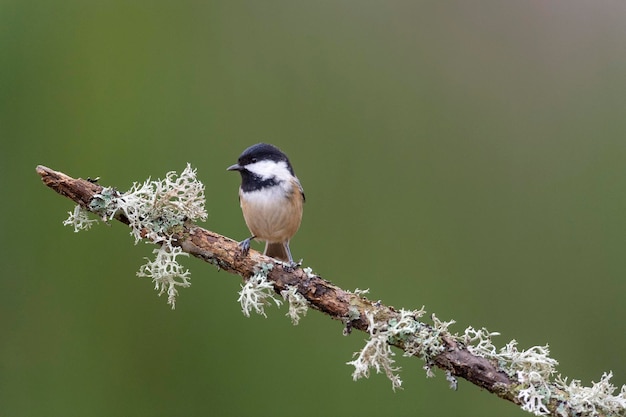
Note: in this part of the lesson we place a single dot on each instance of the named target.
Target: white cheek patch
(270, 169)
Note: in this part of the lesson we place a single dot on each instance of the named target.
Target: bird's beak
(235, 167)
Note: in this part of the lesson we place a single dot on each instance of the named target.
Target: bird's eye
(253, 160)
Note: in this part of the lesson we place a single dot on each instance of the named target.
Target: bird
(271, 199)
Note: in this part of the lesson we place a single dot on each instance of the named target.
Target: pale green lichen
(166, 272)
(360, 293)
(298, 305)
(479, 342)
(309, 272)
(417, 339)
(452, 381)
(104, 203)
(531, 369)
(258, 292)
(376, 354)
(153, 209)
(426, 342)
(597, 400)
(79, 219)
(353, 313)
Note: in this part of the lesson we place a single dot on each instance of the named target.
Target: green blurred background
(466, 156)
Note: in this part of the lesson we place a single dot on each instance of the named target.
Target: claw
(291, 265)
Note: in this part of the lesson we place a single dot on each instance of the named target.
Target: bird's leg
(291, 265)
(245, 245)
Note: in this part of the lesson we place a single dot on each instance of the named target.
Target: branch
(521, 377)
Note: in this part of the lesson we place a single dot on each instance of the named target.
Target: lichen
(298, 305)
(152, 208)
(155, 210)
(533, 369)
(79, 219)
(166, 272)
(258, 292)
(376, 354)
(597, 400)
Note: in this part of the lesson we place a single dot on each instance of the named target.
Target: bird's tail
(278, 250)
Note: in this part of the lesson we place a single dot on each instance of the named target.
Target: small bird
(271, 199)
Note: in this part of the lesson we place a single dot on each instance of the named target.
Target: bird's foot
(291, 265)
(244, 245)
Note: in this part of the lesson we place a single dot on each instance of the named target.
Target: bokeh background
(465, 156)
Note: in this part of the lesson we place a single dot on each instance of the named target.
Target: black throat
(251, 182)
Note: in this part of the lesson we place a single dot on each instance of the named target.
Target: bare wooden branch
(322, 295)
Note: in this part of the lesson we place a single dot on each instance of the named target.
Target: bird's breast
(272, 214)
